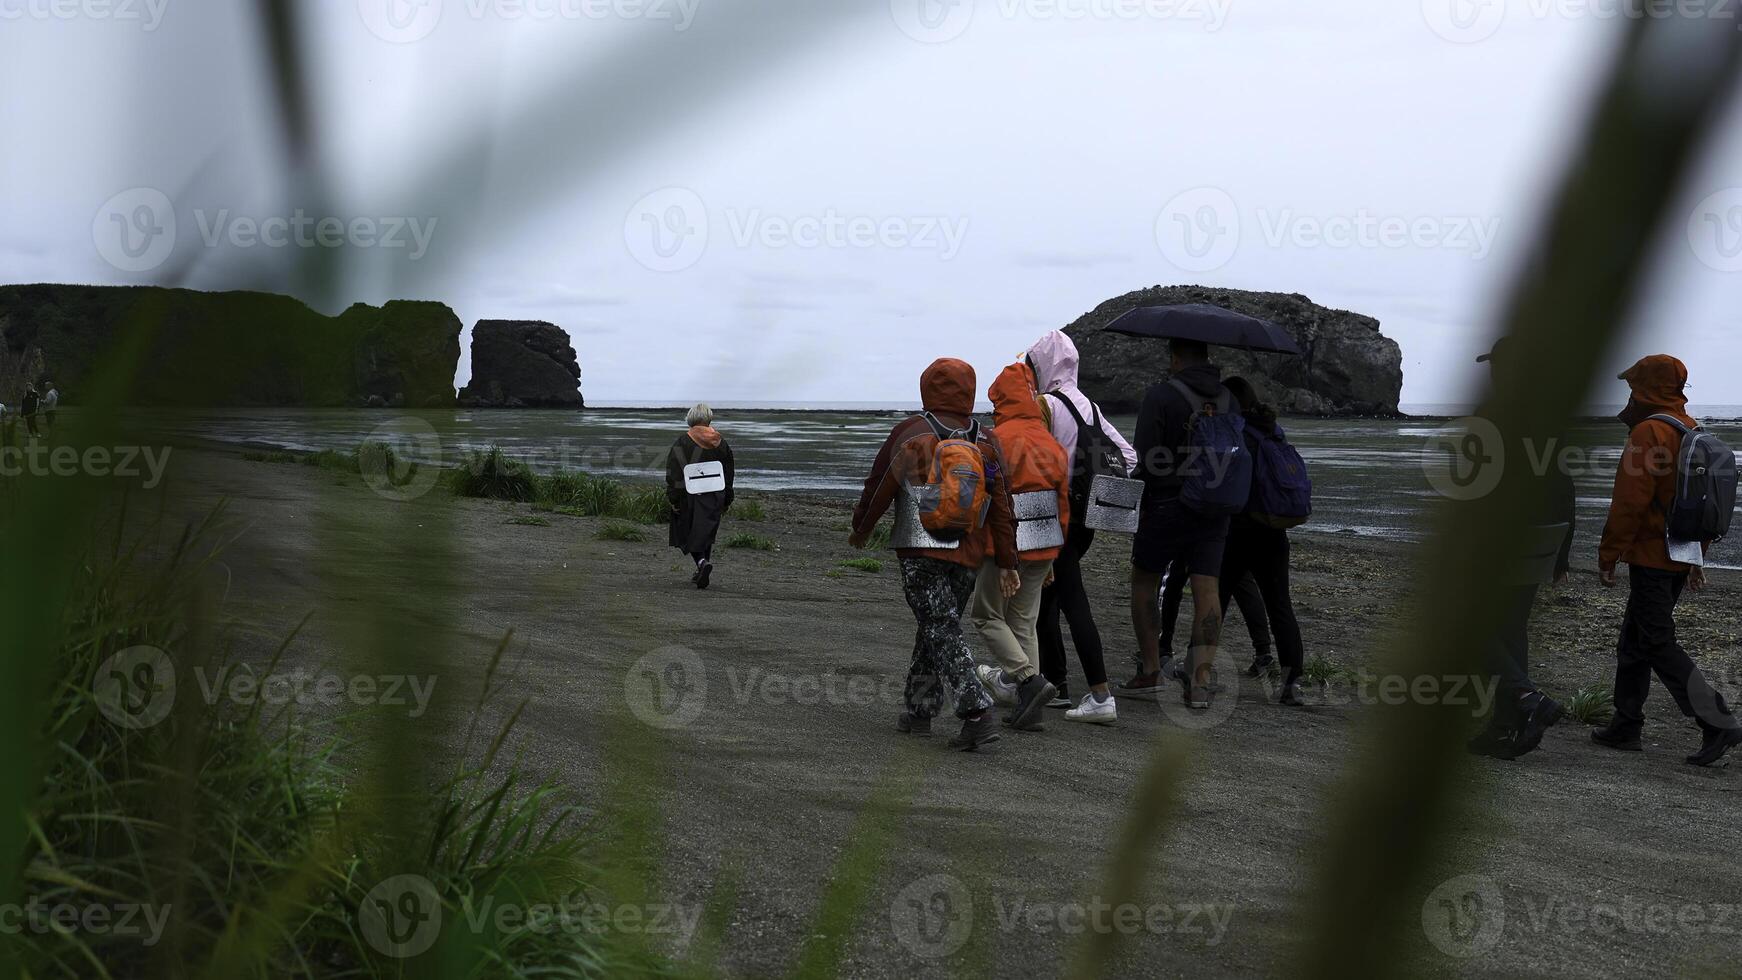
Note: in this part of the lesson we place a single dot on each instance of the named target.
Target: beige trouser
(1008, 624)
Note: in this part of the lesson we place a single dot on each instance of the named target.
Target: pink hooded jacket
(1054, 358)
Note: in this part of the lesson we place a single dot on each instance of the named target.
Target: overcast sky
(770, 203)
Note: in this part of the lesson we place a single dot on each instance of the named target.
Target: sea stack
(522, 364)
(1347, 366)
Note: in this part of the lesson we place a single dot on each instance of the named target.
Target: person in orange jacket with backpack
(1039, 476)
(1646, 490)
(946, 478)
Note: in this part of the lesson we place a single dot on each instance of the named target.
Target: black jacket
(695, 519)
(1161, 429)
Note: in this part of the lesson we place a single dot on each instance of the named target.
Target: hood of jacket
(1055, 360)
(1013, 397)
(1205, 379)
(1658, 383)
(706, 436)
(947, 386)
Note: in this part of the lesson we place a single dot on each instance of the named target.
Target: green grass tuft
(1592, 705)
(1322, 670)
(528, 520)
(751, 542)
(620, 532)
(749, 510)
(863, 564)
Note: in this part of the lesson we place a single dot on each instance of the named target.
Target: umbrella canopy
(1209, 324)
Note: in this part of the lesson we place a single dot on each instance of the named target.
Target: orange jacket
(1646, 479)
(1033, 460)
(946, 389)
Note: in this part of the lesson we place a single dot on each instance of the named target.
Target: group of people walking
(994, 523)
(44, 404)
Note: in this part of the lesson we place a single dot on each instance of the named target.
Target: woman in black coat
(698, 484)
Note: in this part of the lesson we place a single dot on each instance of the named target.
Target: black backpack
(1705, 485)
(1096, 455)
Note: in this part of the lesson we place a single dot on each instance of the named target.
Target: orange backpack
(946, 475)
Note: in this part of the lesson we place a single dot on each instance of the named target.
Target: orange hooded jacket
(1646, 479)
(1033, 460)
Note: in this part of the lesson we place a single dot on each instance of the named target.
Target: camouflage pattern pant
(938, 593)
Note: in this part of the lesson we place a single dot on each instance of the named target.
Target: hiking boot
(997, 684)
(1032, 697)
(1291, 696)
(1261, 665)
(1094, 712)
(976, 732)
(1143, 687)
(1717, 742)
(911, 724)
(1493, 742)
(704, 571)
(1543, 712)
(1611, 737)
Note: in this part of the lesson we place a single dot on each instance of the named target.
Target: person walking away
(1646, 486)
(1523, 714)
(1196, 474)
(28, 409)
(699, 477)
(1081, 430)
(50, 404)
(1245, 595)
(8, 423)
(1038, 473)
(1258, 546)
(942, 456)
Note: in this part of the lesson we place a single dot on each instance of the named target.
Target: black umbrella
(1210, 324)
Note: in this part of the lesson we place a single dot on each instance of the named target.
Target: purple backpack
(1282, 492)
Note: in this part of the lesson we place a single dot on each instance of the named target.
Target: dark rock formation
(189, 348)
(522, 364)
(1349, 367)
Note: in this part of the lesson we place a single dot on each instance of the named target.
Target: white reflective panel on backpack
(1037, 520)
(1113, 504)
(706, 477)
(909, 531)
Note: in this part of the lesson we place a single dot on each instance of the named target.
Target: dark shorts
(1167, 532)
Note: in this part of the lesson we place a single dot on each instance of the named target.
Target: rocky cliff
(1348, 367)
(232, 348)
(522, 364)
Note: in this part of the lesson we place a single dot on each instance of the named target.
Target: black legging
(1245, 593)
(1067, 594)
(1262, 553)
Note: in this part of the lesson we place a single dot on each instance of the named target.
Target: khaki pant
(1008, 624)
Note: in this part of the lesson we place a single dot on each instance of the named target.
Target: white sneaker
(1002, 690)
(1094, 712)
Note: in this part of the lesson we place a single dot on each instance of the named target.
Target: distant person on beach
(1522, 714)
(1193, 399)
(8, 423)
(698, 484)
(50, 404)
(28, 410)
(1258, 546)
(945, 477)
(1637, 534)
(1080, 427)
(1039, 475)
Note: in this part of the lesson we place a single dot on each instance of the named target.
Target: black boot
(1717, 742)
